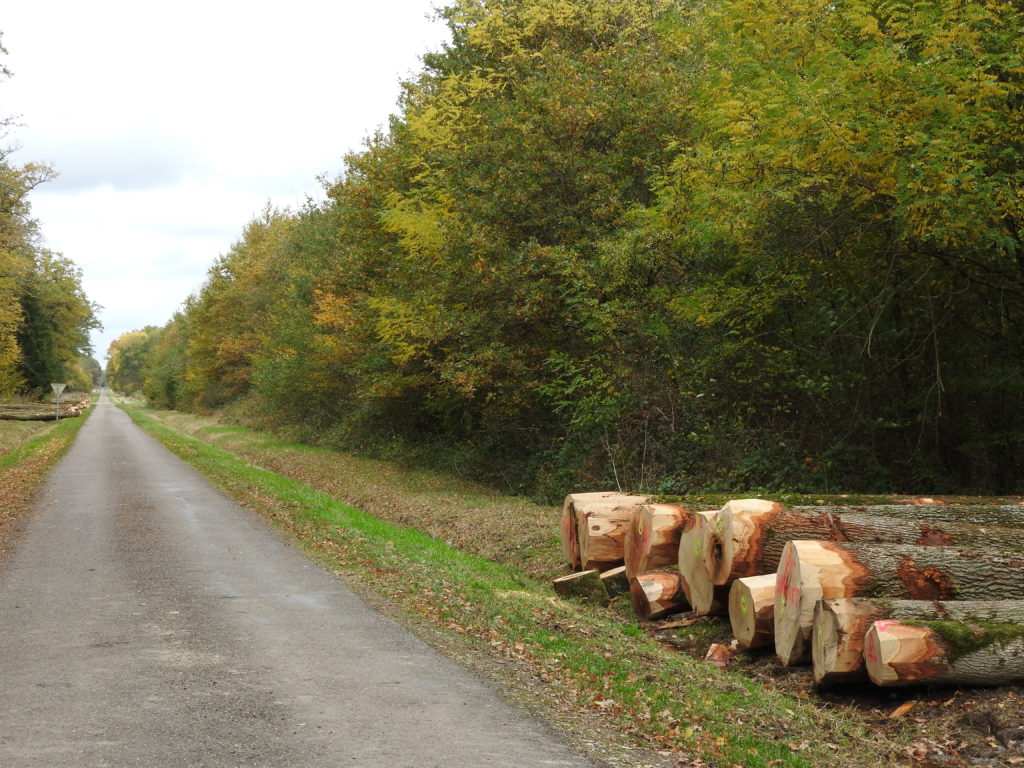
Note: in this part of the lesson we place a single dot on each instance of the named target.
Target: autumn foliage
(739, 243)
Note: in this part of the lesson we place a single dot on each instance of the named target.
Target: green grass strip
(588, 657)
(58, 440)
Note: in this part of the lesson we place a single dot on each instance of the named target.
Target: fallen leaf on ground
(902, 709)
(719, 655)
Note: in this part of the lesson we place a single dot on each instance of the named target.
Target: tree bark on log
(942, 652)
(39, 413)
(750, 534)
(704, 597)
(656, 594)
(841, 624)
(864, 528)
(585, 585)
(752, 610)
(820, 570)
(601, 527)
(32, 416)
(569, 524)
(616, 581)
(652, 538)
(1007, 515)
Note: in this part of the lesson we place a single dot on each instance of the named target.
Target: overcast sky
(173, 124)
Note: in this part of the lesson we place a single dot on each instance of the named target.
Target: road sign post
(58, 390)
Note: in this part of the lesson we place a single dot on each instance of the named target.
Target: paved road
(145, 620)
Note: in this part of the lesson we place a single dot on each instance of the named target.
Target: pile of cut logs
(899, 595)
(44, 411)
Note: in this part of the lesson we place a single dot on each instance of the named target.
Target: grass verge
(29, 455)
(578, 662)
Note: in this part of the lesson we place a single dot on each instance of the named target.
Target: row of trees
(45, 317)
(742, 243)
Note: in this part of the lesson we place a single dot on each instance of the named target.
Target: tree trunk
(819, 570)
(656, 594)
(40, 411)
(616, 581)
(752, 610)
(569, 527)
(32, 415)
(861, 528)
(944, 652)
(840, 626)
(704, 597)
(652, 538)
(601, 527)
(586, 585)
(750, 535)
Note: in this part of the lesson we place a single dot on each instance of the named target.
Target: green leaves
(646, 242)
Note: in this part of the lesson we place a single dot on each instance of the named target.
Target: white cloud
(122, 158)
(172, 125)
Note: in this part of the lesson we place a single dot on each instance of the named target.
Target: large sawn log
(821, 570)
(1009, 515)
(656, 594)
(840, 625)
(601, 527)
(944, 652)
(652, 537)
(569, 525)
(704, 597)
(752, 610)
(749, 535)
(743, 541)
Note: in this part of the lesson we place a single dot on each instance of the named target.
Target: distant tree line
(45, 316)
(735, 244)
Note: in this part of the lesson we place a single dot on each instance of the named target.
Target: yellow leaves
(827, 100)
(404, 328)
(439, 119)
(332, 312)
(419, 223)
(863, 20)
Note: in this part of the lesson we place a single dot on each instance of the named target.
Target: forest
(45, 316)
(645, 244)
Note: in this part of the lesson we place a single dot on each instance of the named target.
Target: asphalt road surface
(146, 620)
